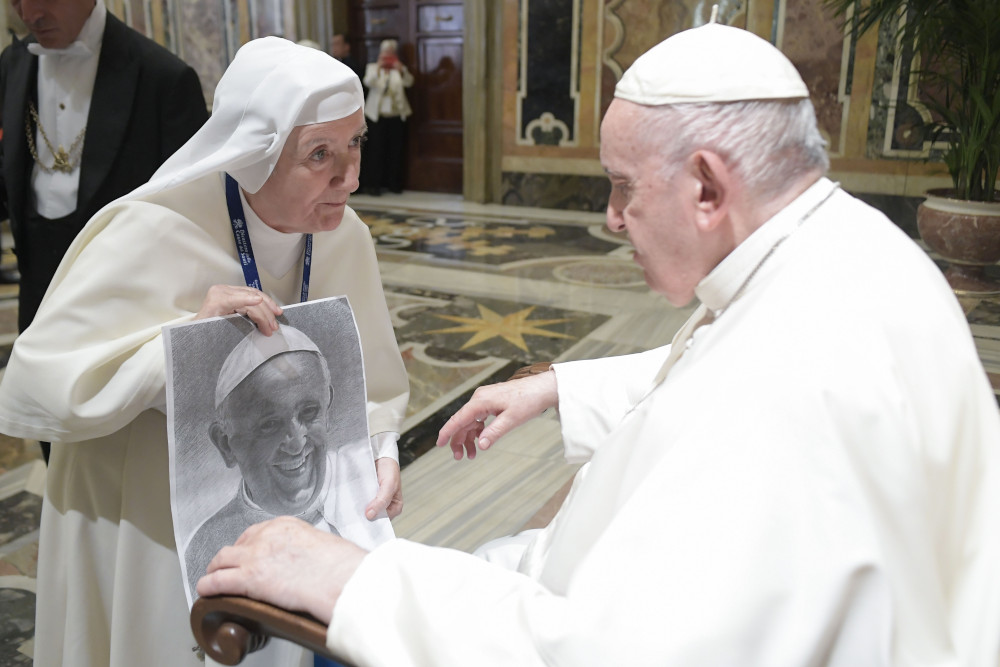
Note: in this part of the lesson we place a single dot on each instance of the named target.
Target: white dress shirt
(65, 85)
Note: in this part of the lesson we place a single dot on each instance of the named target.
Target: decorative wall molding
(207, 33)
(906, 115)
(824, 55)
(548, 86)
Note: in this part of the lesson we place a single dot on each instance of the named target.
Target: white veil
(272, 86)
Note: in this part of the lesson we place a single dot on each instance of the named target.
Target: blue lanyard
(242, 238)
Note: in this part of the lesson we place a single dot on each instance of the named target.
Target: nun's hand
(261, 309)
(390, 490)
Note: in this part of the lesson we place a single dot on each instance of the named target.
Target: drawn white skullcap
(254, 350)
(711, 63)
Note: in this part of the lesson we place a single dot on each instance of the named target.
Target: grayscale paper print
(262, 426)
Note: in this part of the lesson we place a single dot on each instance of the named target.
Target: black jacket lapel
(110, 109)
(22, 76)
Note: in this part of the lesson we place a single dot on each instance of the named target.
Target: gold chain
(61, 158)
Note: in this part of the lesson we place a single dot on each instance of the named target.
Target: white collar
(87, 43)
(322, 504)
(276, 252)
(723, 283)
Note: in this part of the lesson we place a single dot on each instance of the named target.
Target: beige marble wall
(842, 77)
(207, 33)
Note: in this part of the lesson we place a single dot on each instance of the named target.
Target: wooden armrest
(228, 628)
(533, 369)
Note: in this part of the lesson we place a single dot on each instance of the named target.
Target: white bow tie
(76, 49)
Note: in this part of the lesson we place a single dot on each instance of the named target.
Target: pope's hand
(287, 563)
(513, 403)
(254, 304)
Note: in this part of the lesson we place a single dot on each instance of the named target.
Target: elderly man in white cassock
(251, 213)
(807, 475)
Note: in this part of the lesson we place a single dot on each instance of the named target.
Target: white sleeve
(356, 274)
(410, 578)
(406, 77)
(371, 75)
(385, 445)
(594, 396)
(631, 601)
(93, 358)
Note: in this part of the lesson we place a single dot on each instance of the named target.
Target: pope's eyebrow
(616, 176)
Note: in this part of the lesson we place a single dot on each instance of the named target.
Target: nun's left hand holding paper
(247, 301)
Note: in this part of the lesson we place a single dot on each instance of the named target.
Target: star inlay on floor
(512, 328)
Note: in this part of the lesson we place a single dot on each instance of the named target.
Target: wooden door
(430, 36)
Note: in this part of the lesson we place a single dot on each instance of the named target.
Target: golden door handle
(379, 21)
(443, 18)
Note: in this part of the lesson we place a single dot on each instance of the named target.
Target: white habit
(815, 482)
(88, 375)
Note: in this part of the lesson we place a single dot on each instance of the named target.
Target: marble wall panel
(899, 118)
(811, 38)
(205, 38)
(206, 33)
(864, 96)
(549, 72)
(565, 191)
(632, 27)
(590, 193)
(612, 34)
(270, 17)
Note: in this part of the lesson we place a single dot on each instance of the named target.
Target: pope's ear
(217, 434)
(714, 188)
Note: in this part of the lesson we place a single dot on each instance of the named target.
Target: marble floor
(475, 292)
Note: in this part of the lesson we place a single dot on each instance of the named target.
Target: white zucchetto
(712, 63)
(254, 350)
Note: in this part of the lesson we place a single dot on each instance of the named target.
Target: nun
(249, 215)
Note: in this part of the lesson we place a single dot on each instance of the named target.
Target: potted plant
(957, 43)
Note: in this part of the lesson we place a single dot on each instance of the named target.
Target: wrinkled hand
(513, 403)
(390, 490)
(228, 299)
(287, 563)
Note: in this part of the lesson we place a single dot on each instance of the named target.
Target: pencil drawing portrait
(265, 426)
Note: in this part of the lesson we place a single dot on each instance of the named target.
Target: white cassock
(88, 375)
(815, 482)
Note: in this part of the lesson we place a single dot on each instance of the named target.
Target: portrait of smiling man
(274, 407)
(274, 399)
(281, 431)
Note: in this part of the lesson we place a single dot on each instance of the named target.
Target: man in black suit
(90, 108)
(340, 48)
